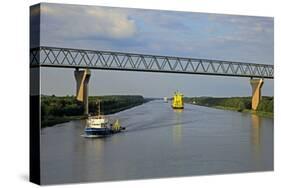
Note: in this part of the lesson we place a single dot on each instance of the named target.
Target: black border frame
(34, 102)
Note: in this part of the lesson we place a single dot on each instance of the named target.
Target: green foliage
(61, 109)
(266, 104)
(238, 103)
(60, 106)
(112, 104)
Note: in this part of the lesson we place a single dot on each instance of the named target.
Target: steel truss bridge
(107, 60)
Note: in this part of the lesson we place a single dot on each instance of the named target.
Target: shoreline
(57, 110)
(259, 113)
(64, 119)
(238, 104)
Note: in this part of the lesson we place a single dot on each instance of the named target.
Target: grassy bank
(55, 110)
(240, 104)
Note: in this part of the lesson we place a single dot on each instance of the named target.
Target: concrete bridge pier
(256, 92)
(82, 79)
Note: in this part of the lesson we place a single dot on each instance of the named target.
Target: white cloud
(83, 22)
(112, 22)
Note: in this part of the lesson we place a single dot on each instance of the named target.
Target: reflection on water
(177, 128)
(256, 135)
(94, 150)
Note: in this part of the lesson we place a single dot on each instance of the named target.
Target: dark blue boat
(96, 132)
(99, 126)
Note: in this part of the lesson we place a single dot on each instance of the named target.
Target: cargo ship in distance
(178, 102)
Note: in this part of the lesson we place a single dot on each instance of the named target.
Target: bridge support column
(256, 92)
(82, 79)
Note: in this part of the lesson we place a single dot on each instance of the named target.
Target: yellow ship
(178, 102)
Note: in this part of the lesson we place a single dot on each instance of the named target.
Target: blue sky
(212, 36)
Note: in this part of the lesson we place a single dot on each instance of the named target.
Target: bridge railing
(93, 59)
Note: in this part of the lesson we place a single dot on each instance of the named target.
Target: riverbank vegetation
(240, 104)
(56, 110)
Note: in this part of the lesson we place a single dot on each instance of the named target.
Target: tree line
(56, 109)
(239, 103)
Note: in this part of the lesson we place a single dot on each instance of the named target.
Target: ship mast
(98, 101)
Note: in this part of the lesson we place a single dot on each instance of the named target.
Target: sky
(171, 33)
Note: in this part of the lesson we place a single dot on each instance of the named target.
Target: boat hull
(177, 107)
(96, 132)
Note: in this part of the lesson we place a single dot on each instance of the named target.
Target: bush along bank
(55, 110)
(240, 104)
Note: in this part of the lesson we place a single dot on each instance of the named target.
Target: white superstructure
(97, 122)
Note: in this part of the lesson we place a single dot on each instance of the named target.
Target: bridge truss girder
(107, 60)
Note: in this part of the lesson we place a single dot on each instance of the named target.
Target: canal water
(159, 142)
